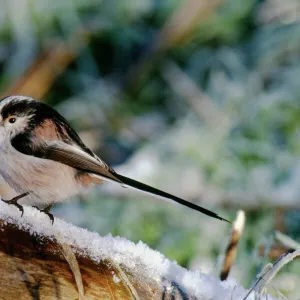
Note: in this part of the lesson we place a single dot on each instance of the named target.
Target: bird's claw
(51, 217)
(46, 211)
(14, 201)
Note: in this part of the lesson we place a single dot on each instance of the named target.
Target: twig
(287, 241)
(259, 279)
(266, 252)
(194, 97)
(231, 251)
(270, 271)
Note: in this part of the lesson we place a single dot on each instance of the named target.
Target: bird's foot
(14, 201)
(46, 211)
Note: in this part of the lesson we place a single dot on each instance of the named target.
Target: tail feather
(158, 193)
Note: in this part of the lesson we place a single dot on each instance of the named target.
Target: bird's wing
(74, 157)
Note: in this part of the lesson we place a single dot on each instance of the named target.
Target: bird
(44, 161)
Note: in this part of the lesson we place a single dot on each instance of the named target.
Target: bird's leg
(46, 211)
(14, 201)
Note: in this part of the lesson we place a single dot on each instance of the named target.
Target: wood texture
(34, 267)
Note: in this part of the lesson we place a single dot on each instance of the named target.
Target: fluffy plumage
(41, 154)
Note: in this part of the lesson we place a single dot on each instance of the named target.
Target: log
(43, 261)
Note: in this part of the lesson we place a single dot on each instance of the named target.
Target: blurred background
(198, 98)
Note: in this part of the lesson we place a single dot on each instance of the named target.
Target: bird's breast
(47, 181)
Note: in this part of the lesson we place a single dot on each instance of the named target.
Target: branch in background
(40, 76)
(180, 26)
(41, 261)
(275, 251)
(198, 101)
(285, 240)
(279, 216)
(231, 251)
(284, 245)
(177, 28)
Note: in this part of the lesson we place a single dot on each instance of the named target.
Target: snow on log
(43, 261)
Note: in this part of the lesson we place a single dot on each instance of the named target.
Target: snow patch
(116, 279)
(137, 258)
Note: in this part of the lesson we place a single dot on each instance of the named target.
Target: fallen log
(43, 261)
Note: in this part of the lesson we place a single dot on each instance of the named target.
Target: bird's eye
(12, 120)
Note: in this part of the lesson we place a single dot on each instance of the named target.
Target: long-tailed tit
(43, 159)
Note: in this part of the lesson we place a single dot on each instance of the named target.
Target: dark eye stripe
(17, 108)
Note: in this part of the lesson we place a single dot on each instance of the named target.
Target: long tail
(160, 194)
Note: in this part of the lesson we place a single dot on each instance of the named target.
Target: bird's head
(17, 115)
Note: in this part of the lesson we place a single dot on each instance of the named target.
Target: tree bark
(35, 267)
